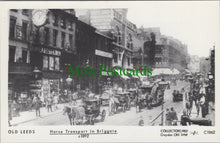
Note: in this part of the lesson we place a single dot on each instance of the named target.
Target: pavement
(28, 116)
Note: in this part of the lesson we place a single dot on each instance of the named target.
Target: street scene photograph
(112, 66)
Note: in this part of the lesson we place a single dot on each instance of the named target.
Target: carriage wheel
(91, 120)
(123, 108)
(103, 115)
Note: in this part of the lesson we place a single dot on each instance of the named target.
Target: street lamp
(69, 80)
(36, 73)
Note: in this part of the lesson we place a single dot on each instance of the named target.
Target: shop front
(47, 60)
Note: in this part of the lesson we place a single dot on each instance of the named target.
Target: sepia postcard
(109, 71)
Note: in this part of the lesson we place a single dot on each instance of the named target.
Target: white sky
(194, 23)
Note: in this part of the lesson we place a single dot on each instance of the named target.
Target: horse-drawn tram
(85, 111)
(151, 95)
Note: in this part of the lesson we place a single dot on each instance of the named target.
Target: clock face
(39, 17)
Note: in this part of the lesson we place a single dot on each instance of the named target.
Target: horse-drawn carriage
(85, 111)
(122, 99)
(133, 93)
(177, 96)
(92, 110)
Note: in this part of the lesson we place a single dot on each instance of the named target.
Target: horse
(75, 115)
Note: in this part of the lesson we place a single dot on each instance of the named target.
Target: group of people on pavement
(50, 102)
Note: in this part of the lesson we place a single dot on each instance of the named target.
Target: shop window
(57, 63)
(24, 30)
(55, 37)
(63, 39)
(12, 54)
(24, 56)
(45, 62)
(12, 27)
(51, 63)
(47, 35)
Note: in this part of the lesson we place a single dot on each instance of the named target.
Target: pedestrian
(37, 104)
(173, 116)
(49, 103)
(191, 98)
(56, 101)
(141, 121)
(168, 118)
(9, 114)
(185, 120)
(204, 105)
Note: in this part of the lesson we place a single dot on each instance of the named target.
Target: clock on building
(39, 17)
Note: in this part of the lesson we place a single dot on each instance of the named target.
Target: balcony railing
(20, 68)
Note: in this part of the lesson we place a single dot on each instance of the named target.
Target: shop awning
(159, 71)
(142, 78)
(124, 77)
(175, 71)
(187, 71)
(134, 76)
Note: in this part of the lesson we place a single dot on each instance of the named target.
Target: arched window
(129, 41)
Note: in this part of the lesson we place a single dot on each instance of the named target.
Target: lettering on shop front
(50, 52)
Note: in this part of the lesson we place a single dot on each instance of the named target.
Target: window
(129, 42)
(63, 23)
(51, 63)
(54, 37)
(14, 10)
(12, 27)
(57, 63)
(63, 39)
(25, 12)
(128, 61)
(115, 57)
(12, 54)
(24, 56)
(24, 30)
(47, 35)
(55, 20)
(71, 40)
(45, 62)
(118, 35)
(70, 26)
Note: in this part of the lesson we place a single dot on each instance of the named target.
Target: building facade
(20, 70)
(113, 23)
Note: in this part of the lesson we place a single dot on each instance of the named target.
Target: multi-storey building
(161, 51)
(50, 41)
(114, 23)
(194, 65)
(19, 55)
